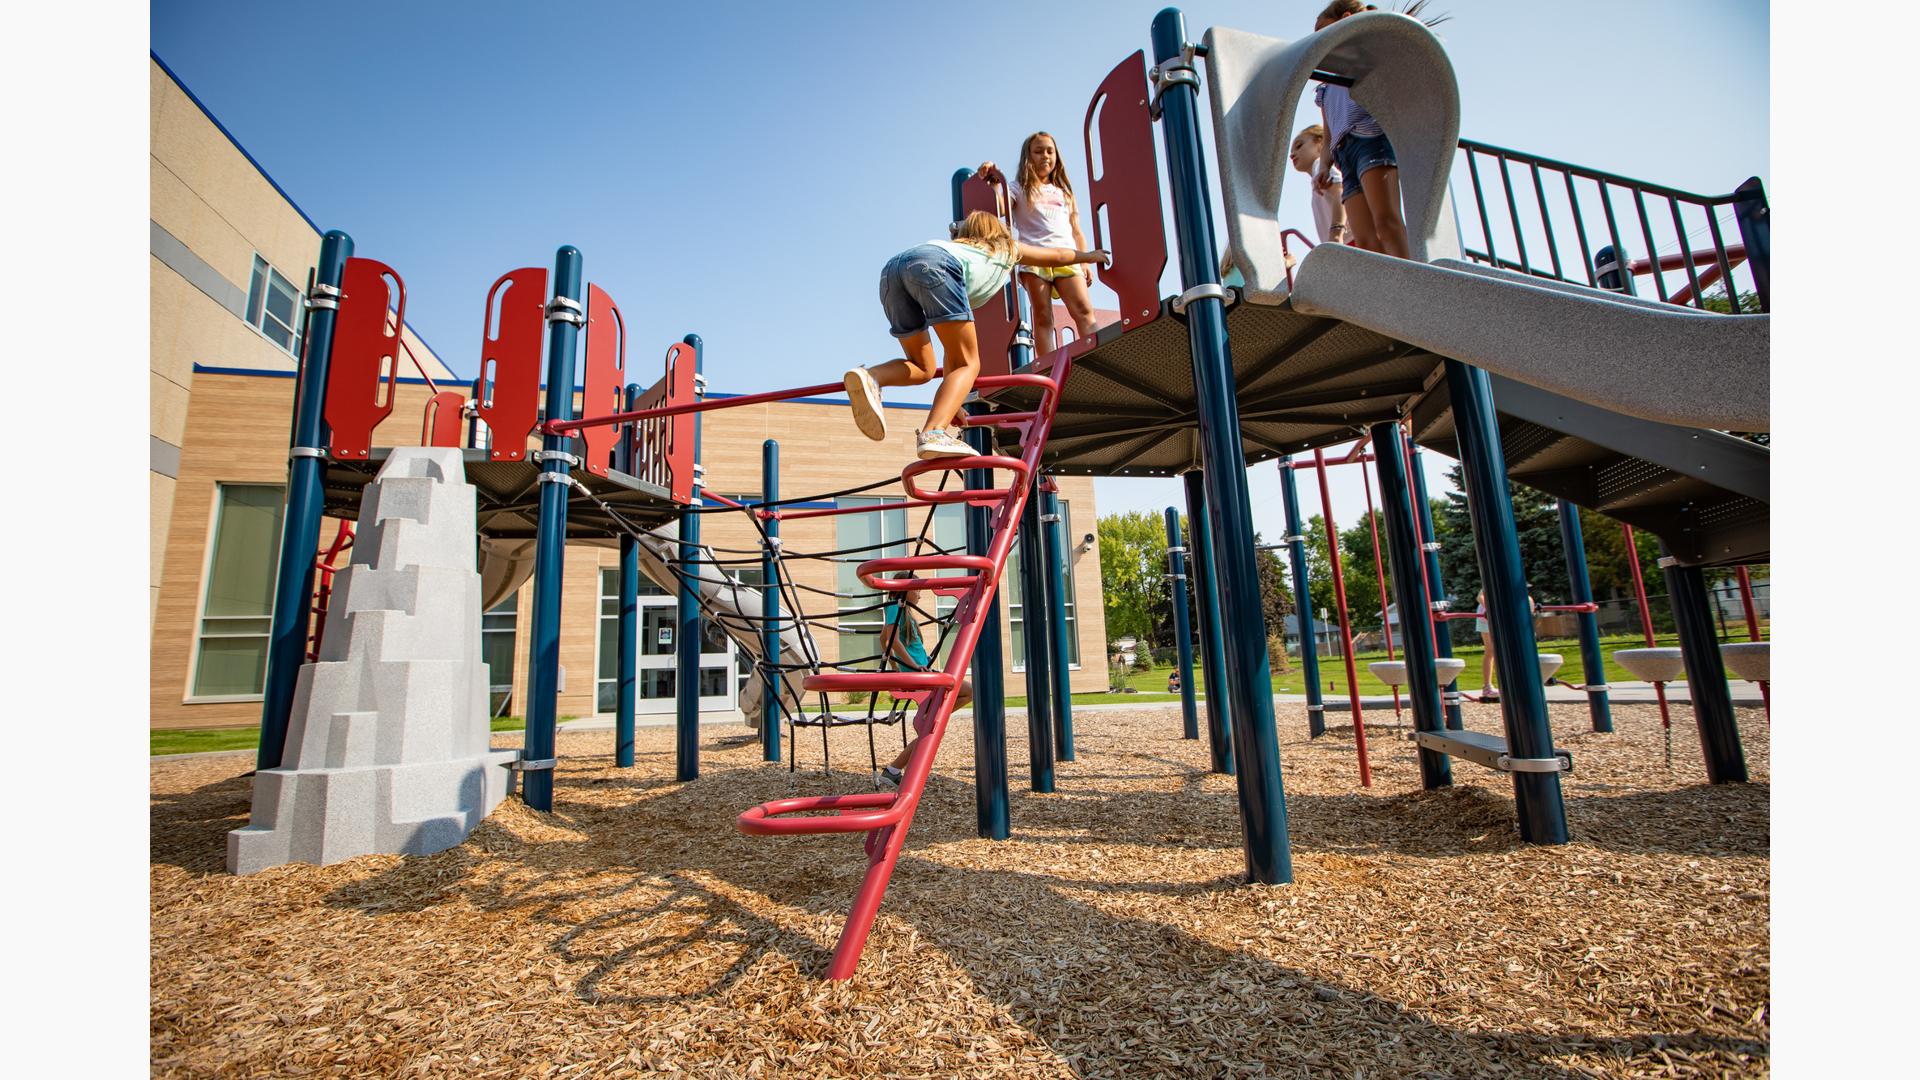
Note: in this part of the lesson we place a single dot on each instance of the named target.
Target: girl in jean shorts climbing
(928, 291)
(1356, 143)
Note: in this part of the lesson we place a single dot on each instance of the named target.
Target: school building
(231, 254)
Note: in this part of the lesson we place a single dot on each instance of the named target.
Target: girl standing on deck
(1046, 214)
(1370, 174)
(931, 290)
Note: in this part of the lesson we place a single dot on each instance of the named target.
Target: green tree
(1356, 568)
(1276, 598)
(1535, 519)
(1133, 575)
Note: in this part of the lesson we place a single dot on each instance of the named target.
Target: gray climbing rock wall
(388, 745)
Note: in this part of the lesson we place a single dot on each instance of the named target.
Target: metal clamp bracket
(1048, 519)
(1440, 606)
(533, 765)
(699, 384)
(1202, 292)
(307, 451)
(1667, 562)
(1023, 336)
(1176, 550)
(1596, 688)
(1296, 538)
(1173, 73)
(543, 456)
(1431, 545)
(556, 478)
(566, 309)
(325, 296)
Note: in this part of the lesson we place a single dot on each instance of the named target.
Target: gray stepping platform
(1255, 85)
(1663, 664)
(1679, 366)
(1751, 660)
(1489, 750)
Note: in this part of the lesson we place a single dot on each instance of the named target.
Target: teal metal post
(565, 316)
(686, 616)
(628, 675)
(1436, 591)
(1706, 672)
(1523, 701)
(1593, 665)
(1062, 670)
(1034, 626)
(1206, 593)
(1302, 600)
(989, 679)
(770, 606)
(1249, 684)
(306, 505)
(1409, 591)
(1182, 630)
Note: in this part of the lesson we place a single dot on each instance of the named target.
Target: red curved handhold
(605, 383)
(768, 819)
(366, 356)
(509, 397)
(976, 496)
(878, 680)
(871, 571)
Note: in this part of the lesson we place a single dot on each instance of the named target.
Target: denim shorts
(1360, 154)
(922, 286)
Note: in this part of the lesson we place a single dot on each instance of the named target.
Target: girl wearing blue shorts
(1369, 173)
(931, 290)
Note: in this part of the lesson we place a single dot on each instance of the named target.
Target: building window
(656, 652)
(860, 630)
(1011, 590)
(273, 306)
(236, 607)
(497, 627)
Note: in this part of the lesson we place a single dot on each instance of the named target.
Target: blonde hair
(1316, 131)
(988, 233)
(1029, 179)
(1340, 9)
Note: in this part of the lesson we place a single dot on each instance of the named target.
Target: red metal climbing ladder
(885, 816)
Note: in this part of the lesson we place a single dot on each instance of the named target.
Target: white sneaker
(940, 443)
(864, 395)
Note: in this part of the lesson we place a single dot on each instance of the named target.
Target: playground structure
(1473, 358)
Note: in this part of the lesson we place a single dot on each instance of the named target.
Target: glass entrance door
(656, 662)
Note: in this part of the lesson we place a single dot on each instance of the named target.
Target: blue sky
(743, 170)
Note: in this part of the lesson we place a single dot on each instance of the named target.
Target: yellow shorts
(1051, 273)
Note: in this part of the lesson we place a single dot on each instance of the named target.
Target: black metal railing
(1665, 249)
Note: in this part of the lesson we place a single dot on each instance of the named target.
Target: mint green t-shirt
(985, 274)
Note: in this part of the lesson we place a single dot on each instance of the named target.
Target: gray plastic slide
(506, 564)
(1660, 362)
(1255, 85)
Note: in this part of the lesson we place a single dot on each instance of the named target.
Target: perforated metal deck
(509, 497)
(1305, 382)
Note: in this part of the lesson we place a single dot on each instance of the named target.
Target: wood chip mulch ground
(634, 931)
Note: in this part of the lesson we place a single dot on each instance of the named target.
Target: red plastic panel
(1128, 185)
(366, 356)
(445, 421)
(509, 397)
(992, 323)
(663, 452)
(606, 379)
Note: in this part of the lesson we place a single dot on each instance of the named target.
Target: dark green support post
(989, 677)
(1436, 589)
(1593, 665)
(1182, 630)
(1302, 600)
(629, 646)
(1034, 626)
(565, 316)
(1248, 686)
(1206, 594)
(770, 605)
(1062, 670)
(1706, 673)
(1409, 591)
(1523, 701)
(306, 505)
(686, 614)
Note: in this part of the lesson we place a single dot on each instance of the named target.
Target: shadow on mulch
(189, 830)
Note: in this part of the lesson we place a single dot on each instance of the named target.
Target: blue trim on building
(268, 177)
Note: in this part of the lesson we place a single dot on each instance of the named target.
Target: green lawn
(1151, 685)
(202, 740)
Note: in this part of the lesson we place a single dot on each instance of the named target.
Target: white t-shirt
(1323, 204)
(1043, 217)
